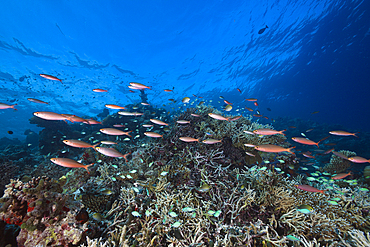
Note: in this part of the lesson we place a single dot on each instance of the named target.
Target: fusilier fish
(308, 188)
(342, 133)
(341, 175)
(115, 107)
(218, 117)
(136, 85)
(111, 152)
(268, 132)
(79, 144)
(49, 115)
(188, 139)
(108, 142)
(235, 118)
(251, 99)
(115, 132)
(93, 121)
(125, 113)
(6, 106)
(305, 141)
(37, 101)
(182, 121)
(270, 148)
(98, 90)
(70, 163)
(153, 134)
(211, 141)
(157, 121)
(358, 159)
(341, 155)
(50, 77)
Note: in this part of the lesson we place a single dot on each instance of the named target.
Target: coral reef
(367, 173)
(166, 192)
(44, 214)
(338, 164)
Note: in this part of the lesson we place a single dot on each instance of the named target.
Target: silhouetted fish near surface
(262, 30)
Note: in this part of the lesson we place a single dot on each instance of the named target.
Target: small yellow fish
(204, 188)
(107, 192)
(186, 100)
(97, 217)
(228, 108)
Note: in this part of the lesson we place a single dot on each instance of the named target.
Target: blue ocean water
(306, 62)
(313, 57)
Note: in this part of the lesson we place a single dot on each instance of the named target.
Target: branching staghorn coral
(329, 220)
(359, 238)
(188, 194)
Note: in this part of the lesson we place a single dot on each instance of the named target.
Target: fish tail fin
(94, 146)
(281, 132)
(354, 134)
(290, 150)
(127, 133)
(125, 156)
(323, 191)
(14, 106)
(87, 166)
(267, 26)
(228, 119)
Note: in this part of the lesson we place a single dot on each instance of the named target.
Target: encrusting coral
(42, 211)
